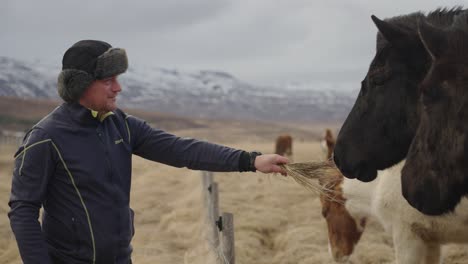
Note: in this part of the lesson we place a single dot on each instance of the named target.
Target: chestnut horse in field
(329, 143)
(283, 145)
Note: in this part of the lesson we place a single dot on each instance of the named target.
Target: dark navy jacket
(79, 169)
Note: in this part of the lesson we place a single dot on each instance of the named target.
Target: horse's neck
(393, 211)
(363, 196)
(359, 195)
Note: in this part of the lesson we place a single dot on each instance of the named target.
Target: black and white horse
(435, 177)
(383, 122)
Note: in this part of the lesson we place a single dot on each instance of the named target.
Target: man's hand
(268, 163)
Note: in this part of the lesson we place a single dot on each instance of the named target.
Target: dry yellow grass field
(276, 220)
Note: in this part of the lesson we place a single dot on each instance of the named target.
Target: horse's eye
(378, 80)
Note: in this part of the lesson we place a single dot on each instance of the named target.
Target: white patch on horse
(416, 236)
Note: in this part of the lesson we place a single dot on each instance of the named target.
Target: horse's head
(379, 129)
(436, 172)
(381, 125)
(344, 230)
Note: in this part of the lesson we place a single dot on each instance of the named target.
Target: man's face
(101, 95)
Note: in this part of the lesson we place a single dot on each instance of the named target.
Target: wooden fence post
(214, 213)
(207, 180)
(227, 238)
(210, 190)
(217, 226)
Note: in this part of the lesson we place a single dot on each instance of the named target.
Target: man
(76, 164)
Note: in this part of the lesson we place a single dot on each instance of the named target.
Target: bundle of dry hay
(308, 174)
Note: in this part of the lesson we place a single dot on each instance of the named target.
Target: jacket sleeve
(34, 165)
(160, 146)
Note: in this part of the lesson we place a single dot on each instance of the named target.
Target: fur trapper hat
(86, 61)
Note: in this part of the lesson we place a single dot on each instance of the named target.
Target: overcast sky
(259, 41)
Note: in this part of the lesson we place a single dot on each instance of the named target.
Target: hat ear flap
(72, 83)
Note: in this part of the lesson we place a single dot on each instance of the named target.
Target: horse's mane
(441, 17)
(461, 21)
(458, 41)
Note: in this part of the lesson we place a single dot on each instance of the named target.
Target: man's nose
(116, 87)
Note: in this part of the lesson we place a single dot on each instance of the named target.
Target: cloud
(260, 41)
(117, 16)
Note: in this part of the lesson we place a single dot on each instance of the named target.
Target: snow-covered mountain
(208, 94)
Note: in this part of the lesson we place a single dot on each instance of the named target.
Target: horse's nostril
(363, 172)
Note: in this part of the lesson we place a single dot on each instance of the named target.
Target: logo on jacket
(119, 141)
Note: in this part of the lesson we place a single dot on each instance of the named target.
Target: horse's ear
(432, 38)
(391, 32)
(398, 37)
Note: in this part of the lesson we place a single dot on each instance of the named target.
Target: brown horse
(330, 143)
(284, 145)
(435, 176)
(344, 230)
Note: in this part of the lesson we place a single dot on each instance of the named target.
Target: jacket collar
(84, 115)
